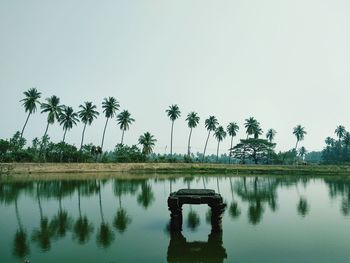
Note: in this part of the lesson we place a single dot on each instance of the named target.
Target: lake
(267, 219)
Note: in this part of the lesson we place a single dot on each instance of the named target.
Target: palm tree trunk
(82, 137)
(189, 142)
(25, 124)
(205, 147)
(229, 160)
(64, 135)
(100, 202)
(42, 142)
(122, 136)
(39, 202)
(171, 139)
(217, 152)
(104, 131)
(47, 128)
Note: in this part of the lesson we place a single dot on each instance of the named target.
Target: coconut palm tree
(302, 152)
(30, 102)
(173, 113)
(219, 134)
(232, 130)
(252, 127)
(340, 131)
(124, 120)
(270, 135)
(210, 125)
(53, 108)
(147, 141)
(299, 133)
(87, 114)
(192, 122)
(110, 107)
(67, 118)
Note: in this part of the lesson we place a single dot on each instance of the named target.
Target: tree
(192, 122)
(302, 152)
(53, 108)
(124, 120)
(87, 114)
(67, 118)
(219, 134)
(210, 125)
(173, 113)
(252, 127)
(299, 133)
(270, 135)
(110, 107)
(232, 130)
(340, 131)
(147, 141)
(30, 102)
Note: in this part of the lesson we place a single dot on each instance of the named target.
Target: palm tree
(147, 141)
(67, 118)
(30, 102)
(173, 113)
(302, 152)
(210, 124)
(110, 106)
(299, 133)
(53, 108)
(124, 120)
(340, 131)
(87, 114)
(270, 135)
(192, 122)
(252, 127)
(219, 134)
(232, 130)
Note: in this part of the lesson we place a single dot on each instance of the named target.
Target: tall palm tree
(299, 133)
(270, 135)
(210, 125)
(67, 118)
(219, 134)
(30, 102)
(53, 108)
(173, 113)
(124, 120)
(87, 114)
(192, 122)
(147, 141)
(232, 130)
(340, 131)
(110, 107)
(252, 127)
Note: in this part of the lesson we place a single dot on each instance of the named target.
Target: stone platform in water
(195, 196)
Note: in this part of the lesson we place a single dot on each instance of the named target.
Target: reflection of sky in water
(267, 219)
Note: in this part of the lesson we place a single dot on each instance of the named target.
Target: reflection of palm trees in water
(82, 227)
(303, 207)
(105, 235)
(146, 197)
(122, 219)
(193, 220)
(341, 188)
(234, 210)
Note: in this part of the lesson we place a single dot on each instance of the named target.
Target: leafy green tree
(270, 135)
(210, 125)
(67, 118)
(192, 122)
(302, 152)
(53, 109)
(299, 133)
(147, 141)
(30, 103)
(220, 135)
(232, 129)
(252, 127)
(110, 107)
(340, 131)
(124, 120)
(87, 114)
(173, 113)
(126, 154)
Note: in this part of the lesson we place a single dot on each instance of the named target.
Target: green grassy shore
(182, 168)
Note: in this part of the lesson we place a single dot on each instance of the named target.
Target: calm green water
(267, 219)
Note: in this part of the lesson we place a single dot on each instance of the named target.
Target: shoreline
(173, 168)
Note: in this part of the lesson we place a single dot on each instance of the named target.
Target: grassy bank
(58, 168)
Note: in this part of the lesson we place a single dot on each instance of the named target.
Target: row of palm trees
(251, 125)
(66, 116)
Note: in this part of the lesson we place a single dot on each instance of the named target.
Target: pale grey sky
(283, 62)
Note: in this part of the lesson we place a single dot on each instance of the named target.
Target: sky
(283, 62)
